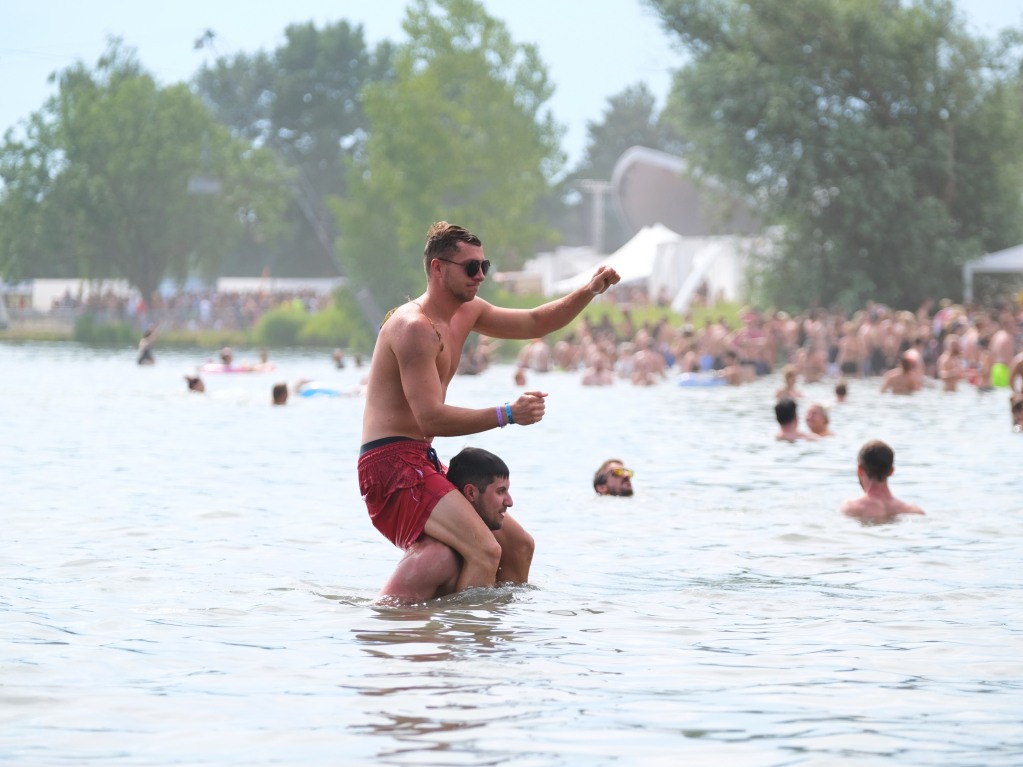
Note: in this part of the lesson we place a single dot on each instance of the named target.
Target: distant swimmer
(195, 384)
(279, 394)
(900, 380)
(599, 372)
(146, 343)
(841, 391)
(787, 415)
(790, 374)
(612, 478)
(1016, 373)
(1002, 344)
(1016, 409)
(818, 420)
(429, 569)
(951, 368)
(874, 464)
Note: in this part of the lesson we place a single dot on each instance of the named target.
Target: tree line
(879, 137)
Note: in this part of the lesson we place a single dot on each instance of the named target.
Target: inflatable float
(701, 379)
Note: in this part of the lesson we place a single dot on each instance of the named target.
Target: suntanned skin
(416, 356)
(900, 380)
(429, 569)
(1016, 373)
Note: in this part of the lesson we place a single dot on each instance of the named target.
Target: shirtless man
(146, 343)
(818, 420)
(1001, 354)
(786, 413)
(950, 364)
(900, 380)
(1016, 410)
(874, 464)
(1016, 373)
(429, 569)
(415, 357)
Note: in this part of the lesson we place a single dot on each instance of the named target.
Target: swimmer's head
(785, 410)
(877, 460)
(612, 478)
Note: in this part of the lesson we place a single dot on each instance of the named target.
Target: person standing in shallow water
(429, 569)
(416, 355)
(146, 343)
(787, 414)
(875, 463)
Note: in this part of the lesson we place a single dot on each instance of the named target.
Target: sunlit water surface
(189, 580)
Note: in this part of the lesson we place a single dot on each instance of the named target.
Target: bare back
(871, 509)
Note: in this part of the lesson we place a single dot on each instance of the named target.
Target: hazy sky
(593, 48)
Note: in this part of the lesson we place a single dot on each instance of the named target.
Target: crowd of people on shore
(951, 345)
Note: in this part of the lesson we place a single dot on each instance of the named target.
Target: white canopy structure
(666, 263)
(1008, 261)
(634, 261)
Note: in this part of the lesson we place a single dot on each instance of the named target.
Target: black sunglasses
(472, 268)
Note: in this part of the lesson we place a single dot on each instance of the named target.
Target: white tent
(1008, 261)
(634, 261)
(666, 263)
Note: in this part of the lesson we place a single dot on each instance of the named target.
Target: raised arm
(499, 322)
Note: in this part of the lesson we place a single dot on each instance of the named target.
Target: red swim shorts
(401, 484)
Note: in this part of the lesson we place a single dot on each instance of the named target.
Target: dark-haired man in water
(430, 569)
(416, 355)
(874, 464)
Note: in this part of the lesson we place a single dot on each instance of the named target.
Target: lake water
(188, 580)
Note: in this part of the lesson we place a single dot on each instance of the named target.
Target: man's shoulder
(901, 507)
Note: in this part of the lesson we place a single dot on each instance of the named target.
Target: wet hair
(600, 477)
(477, 467)
(785, 410)
(442, 239)
(280, 393)
(841, 389)
(877, 459)
(194, 383)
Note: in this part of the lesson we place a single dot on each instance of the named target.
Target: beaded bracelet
(508, 412)
(500, 417)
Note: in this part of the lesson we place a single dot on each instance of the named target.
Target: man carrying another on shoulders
(429, 568)
(874, 464)
(416, 355)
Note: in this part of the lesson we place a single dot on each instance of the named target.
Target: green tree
(100, 185)
(461, 134)
(304, 102)
(881, 136)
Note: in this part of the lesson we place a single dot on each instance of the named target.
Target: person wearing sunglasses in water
(416, 355)
(612, 478)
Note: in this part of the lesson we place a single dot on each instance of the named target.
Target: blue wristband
(508, 412)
